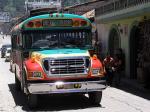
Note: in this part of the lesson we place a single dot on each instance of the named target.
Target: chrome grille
(65, 66)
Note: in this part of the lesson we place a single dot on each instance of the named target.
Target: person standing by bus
(119, 66)
(109, 68)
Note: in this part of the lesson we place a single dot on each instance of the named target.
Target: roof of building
(84, 7)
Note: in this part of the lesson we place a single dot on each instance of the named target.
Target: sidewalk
(132, 83)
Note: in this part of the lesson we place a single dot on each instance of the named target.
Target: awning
(81, 9)
(89, 14)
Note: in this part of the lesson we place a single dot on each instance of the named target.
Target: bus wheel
(32, 100)
(11, 67)
(23, 81)
(95, 97)
(17, 83)
(2, 56)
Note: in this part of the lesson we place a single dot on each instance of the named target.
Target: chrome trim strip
(48, 88)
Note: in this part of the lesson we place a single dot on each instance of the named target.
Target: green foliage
(15, 7)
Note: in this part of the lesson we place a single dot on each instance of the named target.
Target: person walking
(109, 68)
(118, 66)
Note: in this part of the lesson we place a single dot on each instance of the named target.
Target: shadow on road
(52, 103)
(135, 91)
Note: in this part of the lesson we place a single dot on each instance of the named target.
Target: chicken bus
(52, 53)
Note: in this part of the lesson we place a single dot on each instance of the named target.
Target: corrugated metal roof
(85, 7)
(89, 14)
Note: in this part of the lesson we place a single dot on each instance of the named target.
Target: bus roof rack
(35, 12)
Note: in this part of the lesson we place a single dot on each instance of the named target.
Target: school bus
(52, 53)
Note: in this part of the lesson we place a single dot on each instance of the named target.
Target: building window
(45, 0)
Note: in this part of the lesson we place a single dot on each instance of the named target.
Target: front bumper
(7, 58)
(68, 87)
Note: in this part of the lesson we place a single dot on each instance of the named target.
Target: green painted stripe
(62, 51)
(47, 16)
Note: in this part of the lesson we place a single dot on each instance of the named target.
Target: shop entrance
(134, 42)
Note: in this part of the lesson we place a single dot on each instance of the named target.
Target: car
(3, 49)
(7, 54)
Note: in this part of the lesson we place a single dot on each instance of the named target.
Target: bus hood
(58, 53)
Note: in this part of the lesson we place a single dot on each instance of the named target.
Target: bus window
(14, 44)
(57, 39)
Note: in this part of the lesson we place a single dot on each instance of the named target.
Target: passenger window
(14, 43)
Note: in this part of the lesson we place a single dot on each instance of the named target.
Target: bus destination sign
(57, 22)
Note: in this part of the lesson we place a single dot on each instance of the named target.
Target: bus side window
(19, 39)
(14, 43)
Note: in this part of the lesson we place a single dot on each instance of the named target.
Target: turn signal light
(34, 24)
(77, 85)
(38, 57)
(30, 24)
(83, 23)
(94, 56)
(76, 23)
(33, 59)
(38, 24)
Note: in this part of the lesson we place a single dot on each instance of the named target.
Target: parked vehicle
(7, 55)
(52, 54)
(3, 49)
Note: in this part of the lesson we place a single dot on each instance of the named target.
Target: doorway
(134, 40)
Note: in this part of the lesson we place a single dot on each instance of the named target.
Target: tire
(2, 56)
(23, 81)
(11, 67)
(32, 100)
(17, 83)
(95, 97)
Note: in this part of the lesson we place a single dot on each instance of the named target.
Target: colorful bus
(53, 54)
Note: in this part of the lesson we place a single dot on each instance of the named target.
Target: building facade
(126, 24)
(37, 4)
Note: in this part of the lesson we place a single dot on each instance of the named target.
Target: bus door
(17, 54)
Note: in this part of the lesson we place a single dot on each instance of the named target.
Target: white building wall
(103, 32)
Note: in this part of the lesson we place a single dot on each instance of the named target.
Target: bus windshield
(59, 39)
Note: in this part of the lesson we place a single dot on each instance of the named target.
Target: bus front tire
(11, 69)
(95, 97)
(2, 55)
(23, 81)
(32, 100)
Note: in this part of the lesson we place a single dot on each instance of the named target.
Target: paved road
(124, 99)
(4, 39)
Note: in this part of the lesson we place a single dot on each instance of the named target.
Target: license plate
(95, 71)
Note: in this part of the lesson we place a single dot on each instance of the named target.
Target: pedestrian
(109, 68)
(118, 66)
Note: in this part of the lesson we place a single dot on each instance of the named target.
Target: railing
(35, 4)
(115, 5)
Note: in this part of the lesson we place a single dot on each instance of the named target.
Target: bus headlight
(59, 85)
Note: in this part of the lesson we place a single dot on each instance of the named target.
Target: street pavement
(123, 99)
(4, 39)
